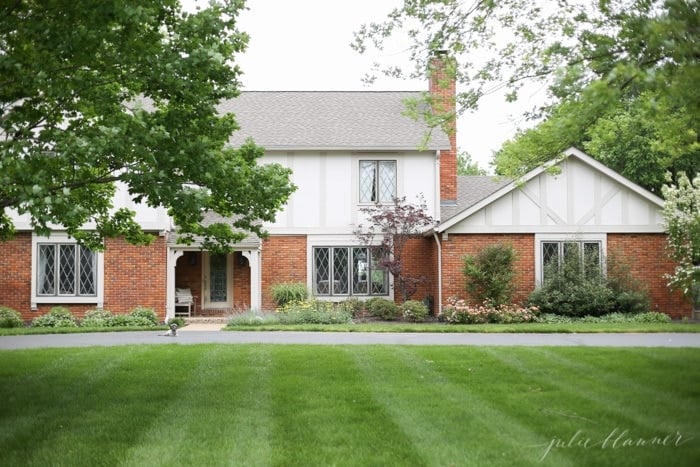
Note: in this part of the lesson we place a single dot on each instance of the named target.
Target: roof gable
(328, 120)
(585, 196)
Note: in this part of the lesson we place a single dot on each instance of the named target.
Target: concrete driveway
(194, 336)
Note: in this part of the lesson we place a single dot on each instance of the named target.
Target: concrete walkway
(199, 336)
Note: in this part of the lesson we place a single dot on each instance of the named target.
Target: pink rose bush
(458, 311)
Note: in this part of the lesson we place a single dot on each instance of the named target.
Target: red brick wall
(648, 260)
(442, 90)
(241, 282)
(16, 274)
(283, 260)
(458, 246)
(420, 261)
(135, 276)
(645, 254)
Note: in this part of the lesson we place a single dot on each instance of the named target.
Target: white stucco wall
(327, 198)
(579, 198)
(152, 219)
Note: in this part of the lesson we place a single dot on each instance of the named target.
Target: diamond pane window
(66, 269)
(322, 266)
(377, 181)
(341, 269)
(380, 277)
(347, 271)
(87, 284)
(360, 271)
(387, 181)
(47, 270)
(562, 257)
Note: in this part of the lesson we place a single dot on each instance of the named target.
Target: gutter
(439, 258)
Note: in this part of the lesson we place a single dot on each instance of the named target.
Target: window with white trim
(377, 181)
(65, 270)
(344, 271)
(557, 254)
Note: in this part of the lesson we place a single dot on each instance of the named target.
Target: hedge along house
(571, 203)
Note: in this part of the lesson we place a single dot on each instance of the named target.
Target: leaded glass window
(377, 181)
(557, 256)
(348, 271)
(218, 278)
(66, 269)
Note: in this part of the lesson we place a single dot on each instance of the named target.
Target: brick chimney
(441, 77)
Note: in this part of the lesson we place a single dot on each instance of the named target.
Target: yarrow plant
(458, 311)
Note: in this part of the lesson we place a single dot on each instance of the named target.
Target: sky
(304, 45)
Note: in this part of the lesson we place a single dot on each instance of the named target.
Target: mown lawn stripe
(219, 417)
(583, 398)
(325, 415)
(433, 410)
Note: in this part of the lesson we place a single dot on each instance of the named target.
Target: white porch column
(253, 257)
(171, 262)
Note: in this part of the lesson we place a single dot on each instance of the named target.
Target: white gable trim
(569, 153)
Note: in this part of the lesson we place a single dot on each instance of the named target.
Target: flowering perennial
(458, 311)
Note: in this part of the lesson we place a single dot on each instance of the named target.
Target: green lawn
(398, 326)
(211, 405)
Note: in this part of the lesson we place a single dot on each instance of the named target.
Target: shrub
(652, 317)
(313, 312)
(57, 317)
(142, 316)
(460, 312)
(490, 274)
(289, 292)
(10, 318)
(383, 308)
(354, 306)
(631, 296)
(413, 310)
(577, 288)
(97, 318)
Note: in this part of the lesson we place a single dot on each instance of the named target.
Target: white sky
(304, 45)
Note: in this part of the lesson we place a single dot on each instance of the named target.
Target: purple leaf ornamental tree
(388, 229)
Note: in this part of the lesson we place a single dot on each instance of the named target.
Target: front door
(217, 280)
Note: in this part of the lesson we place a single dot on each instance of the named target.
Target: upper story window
(66, 270)
(377, 181)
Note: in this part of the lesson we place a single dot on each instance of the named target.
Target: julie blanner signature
(616, 439)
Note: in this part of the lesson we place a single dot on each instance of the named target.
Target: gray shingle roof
(252, 241)
(327, 120)
(470, 190)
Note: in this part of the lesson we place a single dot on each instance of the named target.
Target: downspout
(439, 252)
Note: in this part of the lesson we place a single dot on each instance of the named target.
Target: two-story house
(347, 151)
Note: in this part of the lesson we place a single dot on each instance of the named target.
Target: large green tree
(93, 94)
(620, 74)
